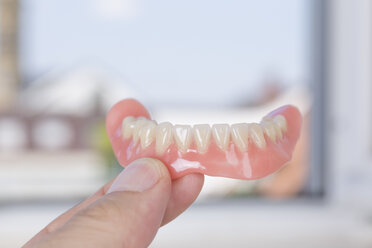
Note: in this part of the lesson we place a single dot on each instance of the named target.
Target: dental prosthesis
(242, 151)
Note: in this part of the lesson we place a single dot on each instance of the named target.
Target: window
(186, 61)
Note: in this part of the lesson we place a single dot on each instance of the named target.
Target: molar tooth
(270, 121)
(221, 135)
(239, 133)
(269, 129)
(163, 137)
(256, 135)
(202, 135)
(147, 134)
(127, 127)
(277, 129)
(140, 122)
(281, 122)
(182, 136)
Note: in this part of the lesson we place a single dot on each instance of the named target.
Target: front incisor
(202, 135)
(183, 136)
(221, 135)
(163, 136)
(239, 134)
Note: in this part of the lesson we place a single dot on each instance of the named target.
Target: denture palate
(147, 132)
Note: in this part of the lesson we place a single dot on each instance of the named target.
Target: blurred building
(63, 105)
(50, 129)
(57, 110)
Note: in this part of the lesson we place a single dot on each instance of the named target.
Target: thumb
(128, 216)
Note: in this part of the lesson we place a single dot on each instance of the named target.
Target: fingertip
(158, 166)
(162, 168)
(141, 175)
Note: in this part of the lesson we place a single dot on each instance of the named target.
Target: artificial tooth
(269, 129)
(267, 118)
(163, 135)
(256, 135)
(202, 135)
(140, 122)
(239, 134)
(127, 127)
(277, 129)
(221, 135)
(147, 134)
(182, 136)
(281, 122)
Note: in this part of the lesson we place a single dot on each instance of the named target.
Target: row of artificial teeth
(147, 131)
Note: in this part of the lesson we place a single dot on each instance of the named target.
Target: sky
(195, 51)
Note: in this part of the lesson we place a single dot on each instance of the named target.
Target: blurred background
(64, 63)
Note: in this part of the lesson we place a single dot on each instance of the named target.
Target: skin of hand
(126, 212)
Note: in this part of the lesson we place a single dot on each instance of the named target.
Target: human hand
(126, 212)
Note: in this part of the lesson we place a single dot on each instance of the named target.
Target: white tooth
(281, 122)
(270, 121)
(202, 136)
(239, 134)
(267, 118)
(163, 137)
(278, 122)
(277, 129)
(221, 135)
(147, 134)
(256, 135)
(140, 122)
(127, 127)
(182, 135)
(269, 129)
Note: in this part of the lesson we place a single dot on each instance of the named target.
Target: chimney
(9, 67)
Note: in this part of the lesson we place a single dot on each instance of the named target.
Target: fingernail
(138, 176)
